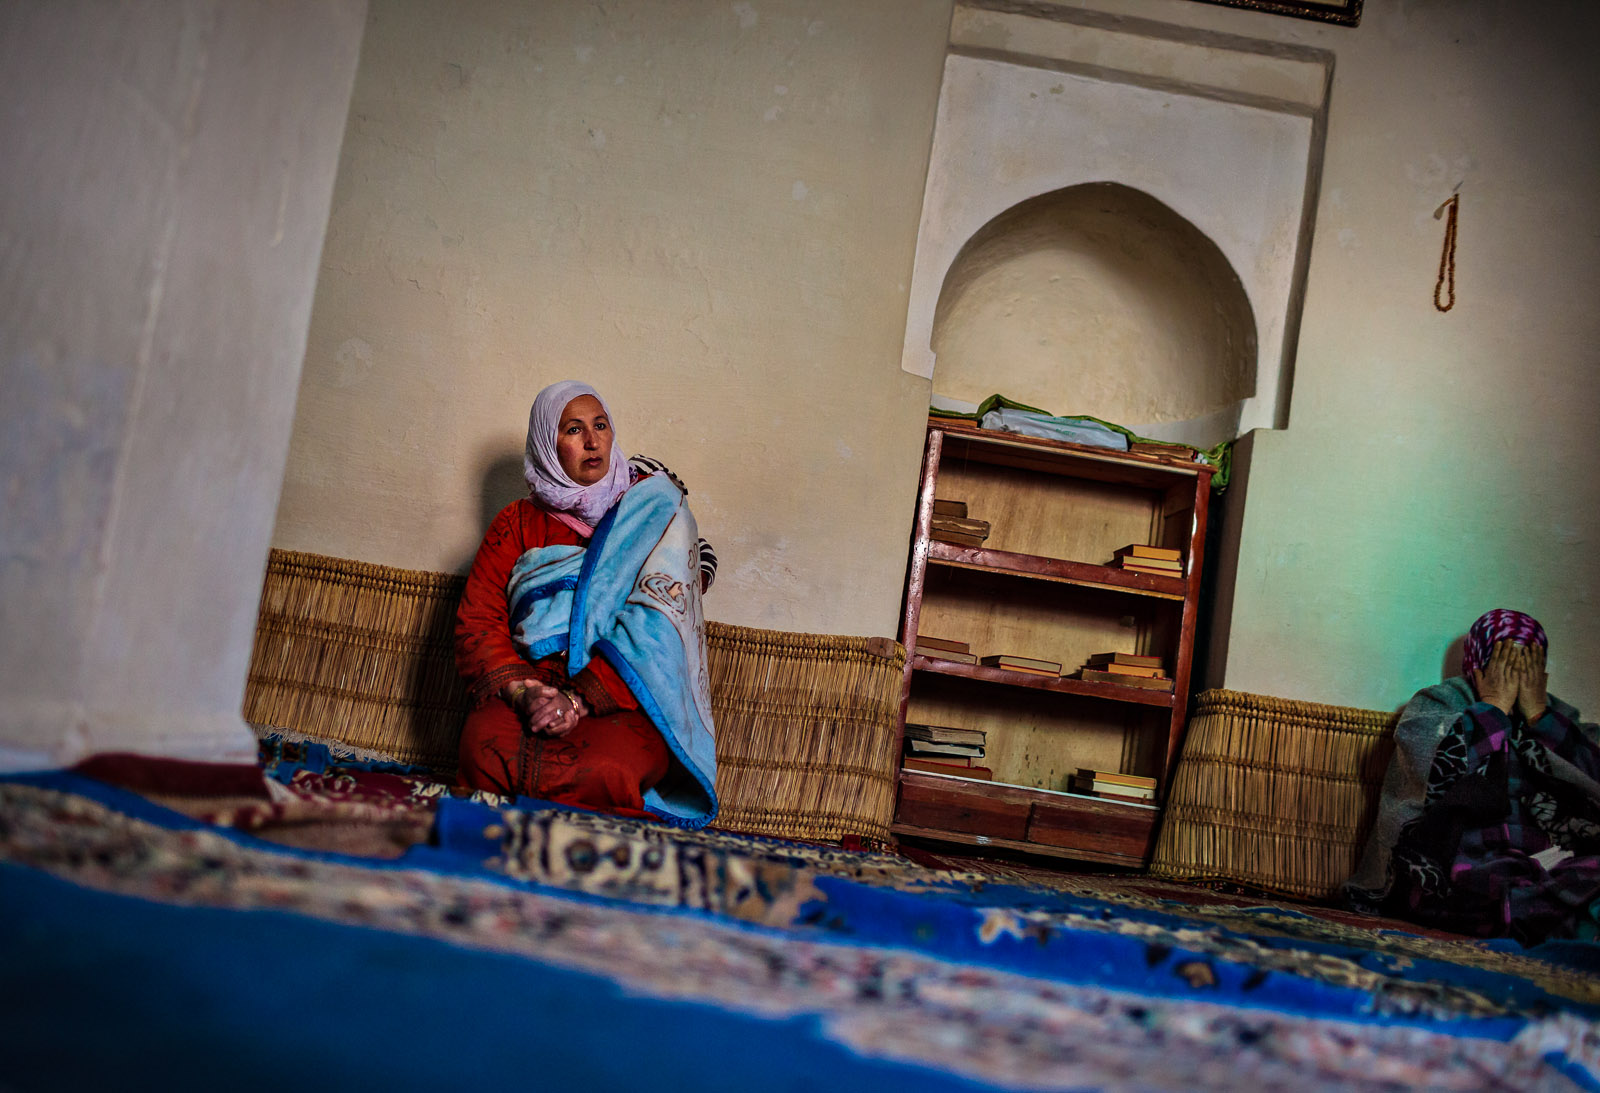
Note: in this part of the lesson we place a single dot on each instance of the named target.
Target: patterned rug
(562, 949)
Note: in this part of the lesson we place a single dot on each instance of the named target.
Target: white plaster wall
(1009, 132)
(163, 195)
(706, 209)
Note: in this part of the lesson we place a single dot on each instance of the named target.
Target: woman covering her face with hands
(1489, 823)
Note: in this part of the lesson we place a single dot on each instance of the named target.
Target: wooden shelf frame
(1145, 696)
(981, 842)
(1080, 460)
(1030, 566)
(1098, 802)
(1009, 817)
(1186, 485)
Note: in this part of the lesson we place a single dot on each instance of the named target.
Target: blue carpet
(107, 992)
(555, 949)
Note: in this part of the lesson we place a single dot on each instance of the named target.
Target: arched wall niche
(1222, 135)
(1102, 299)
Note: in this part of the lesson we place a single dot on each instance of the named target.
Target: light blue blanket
(633, 596)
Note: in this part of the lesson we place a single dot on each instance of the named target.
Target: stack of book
(1126, 669)
(1139, 558)
(944, 649)
(944, 749)
(951, 524)
(1027, 665)
(1114, 786)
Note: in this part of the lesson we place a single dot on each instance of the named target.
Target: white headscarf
(541, 466)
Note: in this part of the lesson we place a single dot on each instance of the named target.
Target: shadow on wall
(502, 484)
(433, 708)
(1453, 653)
(366, 654)
(1096, 299)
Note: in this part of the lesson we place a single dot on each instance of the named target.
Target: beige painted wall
(164, 192)
(708, 210)
(1438, 465)
(1435, 465)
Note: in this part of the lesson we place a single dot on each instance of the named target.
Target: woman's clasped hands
(1514, 676)
(544, 709)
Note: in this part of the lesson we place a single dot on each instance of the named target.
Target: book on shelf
(1021, 664)
(1137, 660)
(1154, 571)
(1091, 675)
(1142, 550)
(1123, 800)
(934, 767)
(1116, 791)
(944, 649)
(1116, 777)
(955, 523)
(952, 761)
(945, 654)
(1105, 791)
(1132, 670)
(943, 507)
(944, 734)
(1150, 563)
(941, 760)
(976, 528)
(927, 749)
(1119, 793)
(959, 538)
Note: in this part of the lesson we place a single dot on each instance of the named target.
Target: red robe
(609, 759)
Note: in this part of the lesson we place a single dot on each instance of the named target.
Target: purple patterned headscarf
(1498, 625)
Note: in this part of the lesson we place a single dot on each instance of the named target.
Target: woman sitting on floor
(579, 632)
(1489, 823)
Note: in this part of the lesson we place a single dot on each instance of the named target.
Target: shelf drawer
(1101, 827)
(953, 806)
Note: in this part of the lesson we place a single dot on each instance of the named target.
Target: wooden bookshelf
(1040, 587)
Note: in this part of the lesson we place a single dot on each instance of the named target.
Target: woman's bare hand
(1497, 680)
(1532, 684)
(545, 709)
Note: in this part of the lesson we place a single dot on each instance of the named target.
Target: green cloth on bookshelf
(1220, 456)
